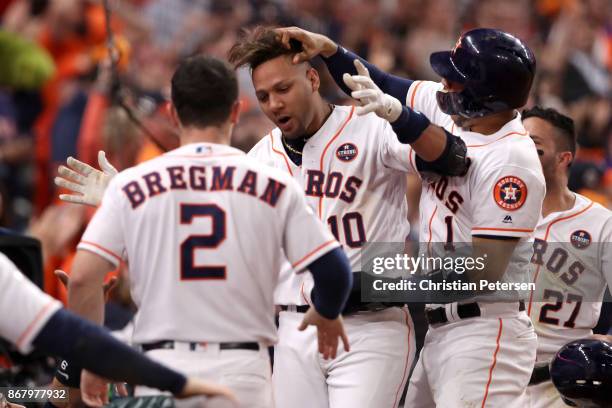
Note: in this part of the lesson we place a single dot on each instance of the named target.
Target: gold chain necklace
(291, 149)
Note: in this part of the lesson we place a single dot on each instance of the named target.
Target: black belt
(169, 344)
(299, 309)
(350, 308)
(464, 311)
(540, 374)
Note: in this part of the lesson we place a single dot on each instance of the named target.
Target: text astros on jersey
(353, 175)
(572, 265)
(500, 196)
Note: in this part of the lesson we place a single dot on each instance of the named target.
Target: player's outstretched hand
(313, 44)
(94, 389)
(198, 387)
(88, 182)
(370, 97)
(328, 332)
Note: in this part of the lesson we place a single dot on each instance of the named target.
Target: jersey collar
(513, 127)
(325, 132)
(204, 150)
(581, 203)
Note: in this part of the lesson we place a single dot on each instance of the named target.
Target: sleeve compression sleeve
(333, 280)
(342, 61)
(92, 348)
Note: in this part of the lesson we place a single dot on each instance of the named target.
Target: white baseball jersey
(24, 309)
(501, 194)
(353, 174)
(572, 264)
(204, 229)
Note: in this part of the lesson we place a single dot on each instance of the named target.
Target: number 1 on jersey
(190, 271)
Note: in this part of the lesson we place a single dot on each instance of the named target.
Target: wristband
(410, 125)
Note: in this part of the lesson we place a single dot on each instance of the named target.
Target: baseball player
(479, 351)
(32, 319)
(572, 259)
(204, 230)
(352, 169)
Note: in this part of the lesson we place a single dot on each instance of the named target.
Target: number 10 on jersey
(352, 225)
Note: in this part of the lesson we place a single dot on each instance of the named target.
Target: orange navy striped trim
(430, 221)
(411, 159)
(31, 326)
(284, 156)
(503, 137)
(101, 248)
(416, 87)
(501, 229)
(402, 382)
(499, 333)
(430, 233)
(305, 257)
(340, 129)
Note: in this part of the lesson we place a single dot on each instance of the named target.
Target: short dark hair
(564, 125)
(259, 45)
(204, 89)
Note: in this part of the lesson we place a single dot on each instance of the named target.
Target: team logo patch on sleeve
(346, 152)
(580, 239)
(510, 193)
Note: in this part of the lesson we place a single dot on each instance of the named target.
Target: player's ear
(173, 114)
(566, 158)
(313, 76)
(235, 111)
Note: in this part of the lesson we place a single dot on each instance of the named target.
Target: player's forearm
(437, 150)
(86, 299)
(496, 253)
(342, 61)
(333, 280)
(91, 347)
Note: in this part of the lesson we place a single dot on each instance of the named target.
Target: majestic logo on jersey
(510, 193)
(346, 152)
(507, 219)
(580, 239)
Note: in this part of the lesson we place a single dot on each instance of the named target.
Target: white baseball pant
(246, 372)
(476, 362)
(372, 374)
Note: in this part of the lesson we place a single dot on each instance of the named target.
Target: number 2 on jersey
(190, 271)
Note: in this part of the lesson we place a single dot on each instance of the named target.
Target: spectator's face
(287, 94)
(544, 136)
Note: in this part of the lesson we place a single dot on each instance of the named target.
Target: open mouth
(283, 120)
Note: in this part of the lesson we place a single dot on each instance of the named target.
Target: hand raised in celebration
(313, 44)
(370, 96)
(85, 180)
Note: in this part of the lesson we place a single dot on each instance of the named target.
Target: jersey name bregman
(202, 178)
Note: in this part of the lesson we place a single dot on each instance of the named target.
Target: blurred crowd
(70, 87)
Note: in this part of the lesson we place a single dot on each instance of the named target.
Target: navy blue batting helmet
(496, 69)
(582, 372)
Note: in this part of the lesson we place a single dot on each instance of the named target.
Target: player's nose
(276, 103)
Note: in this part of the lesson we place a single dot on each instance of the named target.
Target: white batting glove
(85, 180)
(369, 95)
